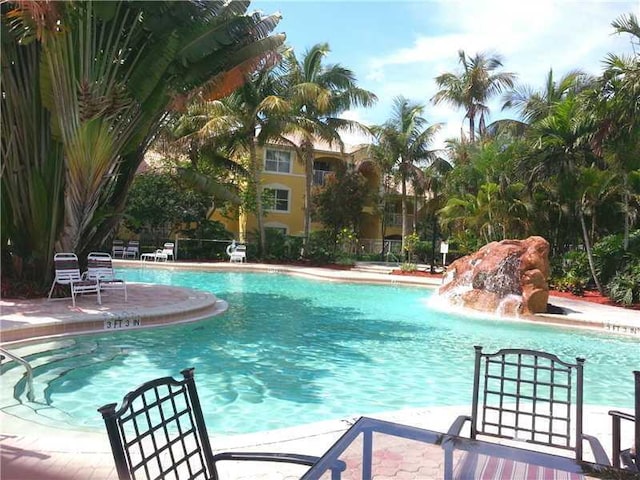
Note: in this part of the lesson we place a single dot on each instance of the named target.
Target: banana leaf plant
(85, 88)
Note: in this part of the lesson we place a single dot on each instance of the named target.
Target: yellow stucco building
(283, 175)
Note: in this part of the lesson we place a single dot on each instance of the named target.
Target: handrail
(27, 366)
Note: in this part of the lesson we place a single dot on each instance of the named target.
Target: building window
(276, 199)
(277, 161)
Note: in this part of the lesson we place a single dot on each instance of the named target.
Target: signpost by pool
(444, 249)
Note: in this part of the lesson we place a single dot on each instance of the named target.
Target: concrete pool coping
(74, 454)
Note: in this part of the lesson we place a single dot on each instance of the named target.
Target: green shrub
(609, 255)
(616, 268)
(571, 273)
(408, 267)
(410, 243)
(624, 287)
(422, 252)
(321, 247)
(570, 283)
(345, 260)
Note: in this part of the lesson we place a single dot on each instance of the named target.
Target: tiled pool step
(48, 366)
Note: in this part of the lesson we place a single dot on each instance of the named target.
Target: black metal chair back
(631, 456)
(530, 396)
(159, 432)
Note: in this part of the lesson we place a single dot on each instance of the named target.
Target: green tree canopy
(339, 202)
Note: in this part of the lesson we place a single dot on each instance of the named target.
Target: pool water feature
(291, 351)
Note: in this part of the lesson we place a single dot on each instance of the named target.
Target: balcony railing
(319, 176)
(395, 219)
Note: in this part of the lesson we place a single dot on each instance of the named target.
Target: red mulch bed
(594, 297)
(416, 273)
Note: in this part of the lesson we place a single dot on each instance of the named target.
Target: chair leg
(73, 296)
(51, 291)
(98, 293)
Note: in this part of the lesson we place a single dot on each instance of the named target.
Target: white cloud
(531, 37)
(356, 137)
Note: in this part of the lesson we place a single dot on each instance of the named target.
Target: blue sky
(399, 47)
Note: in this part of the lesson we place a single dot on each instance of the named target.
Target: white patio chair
(132, 249)
(100, 268)
(68, 273)
(239, 254)
(117, 249)
(168, 250)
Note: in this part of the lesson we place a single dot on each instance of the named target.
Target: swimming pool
(291, 351)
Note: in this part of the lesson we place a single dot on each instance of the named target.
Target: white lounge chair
(68, 273)
(100, 268)
(238, 254)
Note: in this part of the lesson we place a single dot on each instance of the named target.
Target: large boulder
(507, 277)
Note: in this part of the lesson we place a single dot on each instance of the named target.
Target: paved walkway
(31, 451)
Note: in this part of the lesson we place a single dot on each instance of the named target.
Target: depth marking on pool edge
(612, 327)
(121, 322)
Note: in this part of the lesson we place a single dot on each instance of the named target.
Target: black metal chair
(529, 396)
(631, 456)
(159, 432)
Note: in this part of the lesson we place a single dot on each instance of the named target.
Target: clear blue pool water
(291, 351)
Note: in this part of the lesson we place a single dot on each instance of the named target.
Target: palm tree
(406, 139)
(241, 122)
(562, 151)
(385, 162)
(616, 110)
(435, 175)
(203, 161)
(533, 105)
(473, 87)
(317, 94)
(107, 73)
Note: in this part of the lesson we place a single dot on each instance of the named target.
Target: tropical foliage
(339, 202)
(478, 81)
(317, 94)
(85, 87)
(403, 144)
(566, 169)
(159, 204)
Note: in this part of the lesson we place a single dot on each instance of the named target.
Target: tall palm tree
(241, 122)
(473, 87)
(563, 153)
(107, 73)
(318, 94)
(435, 176)
(533, 105)
(616, 110)
(406, 138)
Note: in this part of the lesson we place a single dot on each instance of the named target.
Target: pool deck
(33, 451)
(155, 305)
